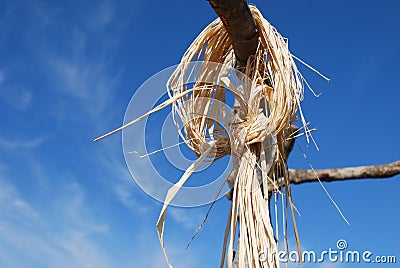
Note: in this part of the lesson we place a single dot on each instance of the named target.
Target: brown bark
(239, 23)
(342, 174)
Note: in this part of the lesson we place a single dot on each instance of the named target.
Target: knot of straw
(247, 130)
(267, 96)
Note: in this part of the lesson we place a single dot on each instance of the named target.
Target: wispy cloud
(14, 206)
(152, 256)
(44, 12)
(101, 16)
(124, 192)
(18, 144)
(17, 97)
(31, 238)
(6, 23)
(189, 218)
(81, 66)
(89, 81)
(2, 77)
(121, 181)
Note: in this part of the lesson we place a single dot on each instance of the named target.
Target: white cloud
(152, 256)
(78, 77)
(44, 13)
(84, 68)
(121, 182)
(189, 218)
(101, 16)
(32, 238)
(90, 81)
(17, 97)
(124, 192)
(6, 23)
(3, 167)
(19, 144)
(14, 207)
(2, 77)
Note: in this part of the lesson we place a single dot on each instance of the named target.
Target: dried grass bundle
(267, 98)
(266, 101)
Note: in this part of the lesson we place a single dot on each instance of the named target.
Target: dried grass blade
(172, 193)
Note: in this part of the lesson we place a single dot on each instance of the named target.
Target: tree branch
(342, 174)
(239, 23)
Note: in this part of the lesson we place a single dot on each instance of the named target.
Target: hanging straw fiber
(272, 80)
(267, 98)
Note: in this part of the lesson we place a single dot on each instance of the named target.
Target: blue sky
(67, 73)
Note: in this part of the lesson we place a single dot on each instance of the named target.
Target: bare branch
(342, 174)
(239, 23)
